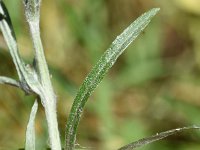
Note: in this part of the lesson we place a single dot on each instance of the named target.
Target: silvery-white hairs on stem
(36, 79)
(32, 9)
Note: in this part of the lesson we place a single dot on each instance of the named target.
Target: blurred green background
(153, 87)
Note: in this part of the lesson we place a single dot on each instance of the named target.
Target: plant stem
(50, 112)
(47, 96)
(35, 79)
(28, 82)
(41, 64)
(46, 93)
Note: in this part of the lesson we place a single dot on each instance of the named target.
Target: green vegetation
(132, 102)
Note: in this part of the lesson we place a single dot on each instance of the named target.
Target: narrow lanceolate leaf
(154, 138)
(100, 69)
(9, 81)
(30, 131)
(9, 35)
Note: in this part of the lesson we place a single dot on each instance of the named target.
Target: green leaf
(156, 137)
(100, 69)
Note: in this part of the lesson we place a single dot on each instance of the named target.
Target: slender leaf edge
(156, 137)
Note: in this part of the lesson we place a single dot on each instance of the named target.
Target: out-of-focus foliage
(153, 87)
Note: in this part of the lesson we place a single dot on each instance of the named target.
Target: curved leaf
(154, 138)
(106, 61)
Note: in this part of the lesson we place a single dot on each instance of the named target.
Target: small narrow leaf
(9, 81)
(9, 36)
(156, 137)
(100, 69)
(30, 131)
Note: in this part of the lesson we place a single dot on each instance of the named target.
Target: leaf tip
(155, 10)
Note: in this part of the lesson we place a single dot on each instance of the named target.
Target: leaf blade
(100, 69)
(30, 131)
(154, 138)
(9, 81)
